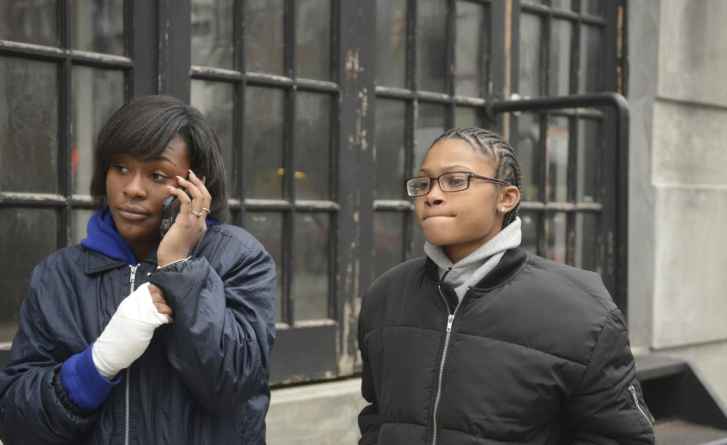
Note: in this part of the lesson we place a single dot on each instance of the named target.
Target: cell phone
(170, 210)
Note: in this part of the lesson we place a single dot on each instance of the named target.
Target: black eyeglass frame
(437, 178)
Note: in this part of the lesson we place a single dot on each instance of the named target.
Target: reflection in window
(389, 235)
(560, 57)
(557, 148)
(590, 152)
(430, 125)
(28, 126)
(264, 35)
(530, 223)
(29, 22)
(555, 237)
(588, 246)
(465, 117)
(390, 146)
(96, 95)
(391, 43)
(30, 235)
(310, 266)
(212, 37)
(313, 146)
(313, 39)
(79, 222)
(98, 25)
(264, 114)
(432, 44)
(530, 55)
(591, 72)
(470, 58)
(527, 147)
(267, 227)
(215, 101)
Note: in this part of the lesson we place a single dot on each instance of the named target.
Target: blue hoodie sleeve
(85, 386)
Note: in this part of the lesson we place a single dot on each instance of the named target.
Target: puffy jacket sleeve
(608, 407)
(224, 325)
(34, 407)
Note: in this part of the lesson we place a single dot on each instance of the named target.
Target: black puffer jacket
(202, 380)
(536, 354)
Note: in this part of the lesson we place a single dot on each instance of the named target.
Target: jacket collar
(510, 264)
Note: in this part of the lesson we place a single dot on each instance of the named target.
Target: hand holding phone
(170, 210)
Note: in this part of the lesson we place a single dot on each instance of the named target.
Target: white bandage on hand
(128, 333)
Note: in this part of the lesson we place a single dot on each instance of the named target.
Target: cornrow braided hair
(495, 147)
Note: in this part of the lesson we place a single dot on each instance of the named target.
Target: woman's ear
(508, 199)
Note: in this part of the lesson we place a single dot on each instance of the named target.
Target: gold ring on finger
(197, 213)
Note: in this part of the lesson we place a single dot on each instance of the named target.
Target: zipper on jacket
(632, 390)
(127, 408)
(450, 322)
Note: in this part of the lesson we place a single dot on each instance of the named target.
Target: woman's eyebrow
(162, 158)
(448, 168)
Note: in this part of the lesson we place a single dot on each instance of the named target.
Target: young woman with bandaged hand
(131, 337)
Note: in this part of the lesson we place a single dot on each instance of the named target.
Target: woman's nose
(435, 196)
(135, 188)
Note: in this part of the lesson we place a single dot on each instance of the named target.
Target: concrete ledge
(321, 414)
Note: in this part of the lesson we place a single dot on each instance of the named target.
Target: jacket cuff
(85, 386)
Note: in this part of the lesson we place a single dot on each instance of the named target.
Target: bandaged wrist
(128, 333)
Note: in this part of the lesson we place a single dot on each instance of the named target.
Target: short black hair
(144, 127)
(496, 148)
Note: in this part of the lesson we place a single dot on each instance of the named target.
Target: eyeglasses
(448, 182)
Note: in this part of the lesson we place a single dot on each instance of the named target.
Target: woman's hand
(157, 297)
(190, 224)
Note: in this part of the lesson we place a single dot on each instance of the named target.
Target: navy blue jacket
(202, 380)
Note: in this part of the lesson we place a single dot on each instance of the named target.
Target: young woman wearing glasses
(481, 342)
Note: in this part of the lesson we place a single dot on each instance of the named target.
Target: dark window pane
(390, 148)
(564, 4)
(264, 36)
(212, 33)
(391, 43)
(591, 72)
(98, 25)
(267, 227)
(431, 123)
(216, 101)
(465, 117)
(530, 224)
(588, 246)
(263, 147)
(389, 233)
(560, 56)
(432, 44)
(313, 39)
(96, 95)
(555, 237)
(470, 58)
(313, 146)
(593, 7)
(29, 235)
(417, 239)
(557, 148)
(590, 151)
(310, 266)
(531, 36)
(79, 221)
(31, 22)
(28, 126)
(527, 147)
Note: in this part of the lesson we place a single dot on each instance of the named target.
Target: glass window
(470, 58)
(389, 236)
(564, 4)
(530, 225)
(590, 151)
(28, 126)
(430, 125)
(530, 55)
(560, 57)
(432, 45)
(215, 100)
(593, 7)
(30, 22)
(264, 36)
(391, 42)
(267, 227)
(555, 237)
(390, 146)
(98, 25)
(557, 148)
(79, 222)
(311, 266)
(313, 146)
(28, 235)
(591, 72)
(96, 95)
(264, 118)
(465, 117)
(417, 239)
(313, 39)
(212, 39)
(527, 146)
(587, 241)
